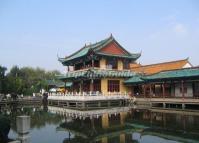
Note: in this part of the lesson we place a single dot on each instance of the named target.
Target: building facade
(107, 68)
(101, 67)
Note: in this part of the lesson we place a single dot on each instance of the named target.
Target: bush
(4, 128)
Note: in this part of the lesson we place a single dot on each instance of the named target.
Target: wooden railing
(88, 97)
(95, 93)
(195, 96)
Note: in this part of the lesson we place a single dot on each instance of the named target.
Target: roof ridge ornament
(111, 36)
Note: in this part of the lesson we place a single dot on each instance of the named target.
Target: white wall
(187, 65)
(189, 90)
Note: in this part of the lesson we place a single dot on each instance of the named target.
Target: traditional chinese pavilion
(101, 67)
(106, 68)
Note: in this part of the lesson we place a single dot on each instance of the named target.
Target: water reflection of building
(173, 124)
(105, 129)
(119, 127)
(88, 113)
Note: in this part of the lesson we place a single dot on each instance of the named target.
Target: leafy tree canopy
(25, 80)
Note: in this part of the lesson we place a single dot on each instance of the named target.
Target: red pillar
(92, 63)
(91, 85)
(144, 90)
(163, 90)
(132, 91)
(84, 65)
(150, 90)
(81, 86)
(182, 87)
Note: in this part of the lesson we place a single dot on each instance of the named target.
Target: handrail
(91, 93)
(88, 97)
(166, 96)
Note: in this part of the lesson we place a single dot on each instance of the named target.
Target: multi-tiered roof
(96, 51)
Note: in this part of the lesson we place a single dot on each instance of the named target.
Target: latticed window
(126, 64)
(97, 85)
(96, 63)
(86, 86)
(113, 86)
(111, 63)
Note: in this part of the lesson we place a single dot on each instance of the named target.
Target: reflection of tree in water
(176, 126)
(39, 117)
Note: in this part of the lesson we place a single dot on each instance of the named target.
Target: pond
(116, 125)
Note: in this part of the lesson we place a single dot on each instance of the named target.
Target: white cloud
(180, 28)
(171, 18)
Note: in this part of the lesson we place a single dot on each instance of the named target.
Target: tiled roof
(155, 68)
(132, 56)
(134, 65)
(180, 74)
(137, 79)
(96, 49)
(96, 73)
(83, 51)
(174, 74)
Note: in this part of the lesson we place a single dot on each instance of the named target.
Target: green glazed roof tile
(96, 48)
(188, 73)
(58, 83)
(182, 73)
(132, 56)
(134, 80)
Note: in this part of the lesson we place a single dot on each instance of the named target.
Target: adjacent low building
(171, 83)
(158, 67)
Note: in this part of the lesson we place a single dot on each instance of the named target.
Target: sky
(36, 32)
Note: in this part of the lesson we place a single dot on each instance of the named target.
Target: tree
(14, 82)
(2, 79)
(28, 80)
